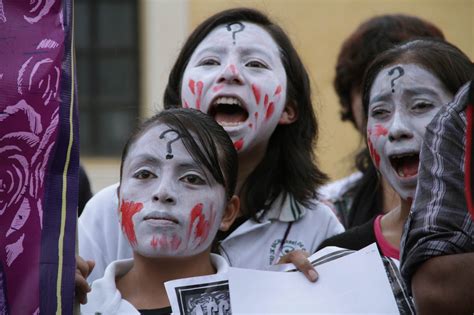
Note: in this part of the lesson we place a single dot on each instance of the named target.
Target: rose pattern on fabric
(3, 18)
(30, 83)
(39, 9)
(40, 82)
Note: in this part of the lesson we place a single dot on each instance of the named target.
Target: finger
(82, 266)
(81, 288)
(91, 265)
(293, 256)
(300, 260)
(305, 267)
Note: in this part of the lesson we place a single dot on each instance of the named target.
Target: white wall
(163, 27)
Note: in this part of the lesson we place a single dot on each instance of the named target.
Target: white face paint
(404, 98)
(241, 83)
(168, 206)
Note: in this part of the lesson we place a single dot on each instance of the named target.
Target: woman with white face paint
(241, 68)
(404, 88)
(178, 175)
(363, 195)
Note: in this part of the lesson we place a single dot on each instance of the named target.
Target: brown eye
(209, 62)
(379, 113)
(422, 107)
(143, 174)
(193, 179)
(256, 64)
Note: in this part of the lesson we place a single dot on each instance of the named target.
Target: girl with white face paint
(404, 88)
(241, 83)
(362, 195)
(176, 191)
(241, 69)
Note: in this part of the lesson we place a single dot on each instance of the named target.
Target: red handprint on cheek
(191, 85)
(373, 153)
(277, 91)
(128, 209)
(196, 90)
(256, 93)
(199, 95)
(199, 226)
(380, 130)
(270, 110)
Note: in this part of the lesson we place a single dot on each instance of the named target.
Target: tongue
(409, 167)
(224, 117)
(230, 114)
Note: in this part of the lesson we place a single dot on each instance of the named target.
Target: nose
(165, 193)
(399, 129)
(230, 74)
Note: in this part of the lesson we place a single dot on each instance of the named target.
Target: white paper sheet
(353, 284)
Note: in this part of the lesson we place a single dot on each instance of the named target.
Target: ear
(231, 212)
(289, 114)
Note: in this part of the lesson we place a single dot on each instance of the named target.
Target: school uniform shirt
(286, 227)
(105, 298)
(252, 245)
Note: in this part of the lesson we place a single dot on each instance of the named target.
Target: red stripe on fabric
(387, 249)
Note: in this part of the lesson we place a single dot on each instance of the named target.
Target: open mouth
(405, 165)
(228, 111)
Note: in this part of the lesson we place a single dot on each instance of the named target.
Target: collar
(285, 208)
(221, 265)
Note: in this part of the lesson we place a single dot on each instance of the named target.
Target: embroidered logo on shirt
(287, 247)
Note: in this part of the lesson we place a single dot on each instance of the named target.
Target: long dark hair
(289, 165)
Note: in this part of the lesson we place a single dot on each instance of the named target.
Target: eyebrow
(420, 90)
(407, 91)
(150, 159)
(380, 98)
(258, 49)
(145, 159)
(213, 49)
(187, 165)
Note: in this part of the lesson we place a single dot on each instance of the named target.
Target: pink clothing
(386, 248)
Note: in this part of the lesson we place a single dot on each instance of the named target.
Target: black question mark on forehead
(400, 73)
(240, 26)
(169, 154)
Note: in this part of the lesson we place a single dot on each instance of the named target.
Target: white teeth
(401, 173)
(228, 100)
(229, 124)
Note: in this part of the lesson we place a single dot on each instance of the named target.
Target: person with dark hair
(177, 181)
(437, 243)
(403, 89)
(253, 83)
(363, 195)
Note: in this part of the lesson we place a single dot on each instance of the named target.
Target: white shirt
(105, 298)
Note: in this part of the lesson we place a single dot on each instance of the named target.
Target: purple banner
(38, 158)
